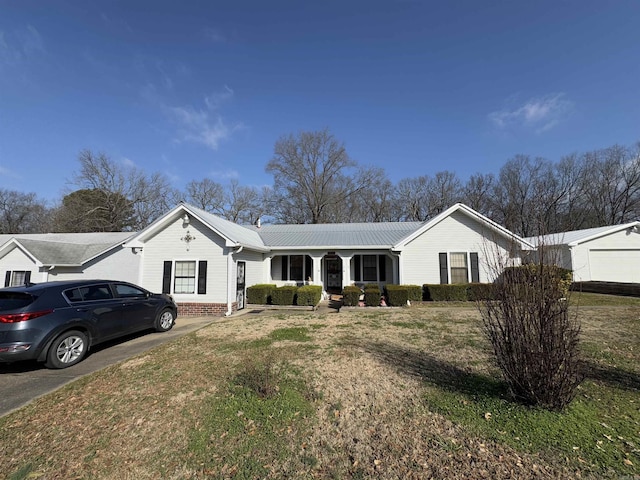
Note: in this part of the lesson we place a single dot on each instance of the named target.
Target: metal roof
(335, 235)
(575, 237)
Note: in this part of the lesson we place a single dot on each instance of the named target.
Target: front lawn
(364, 393)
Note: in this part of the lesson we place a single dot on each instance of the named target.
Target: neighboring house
(604, 254)
(66, 256)
(207, 262)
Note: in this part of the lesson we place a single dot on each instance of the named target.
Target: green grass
(598, 430)
(242, 432)
(599, 299)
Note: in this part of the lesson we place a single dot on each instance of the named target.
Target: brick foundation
(204, 309)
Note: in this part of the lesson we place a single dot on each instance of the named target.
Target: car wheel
(68, 349)
(165, 320)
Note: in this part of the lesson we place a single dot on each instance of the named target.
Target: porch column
(267, 269)
(346, 270)
(316, 274)
(395, 261)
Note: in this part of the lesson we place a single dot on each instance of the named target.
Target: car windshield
(14, 300)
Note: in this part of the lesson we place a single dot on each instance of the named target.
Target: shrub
(351, 295)
(309, 295)
(285, 295)
(260, 294)
(397, 295)
(534, 338)
(372, 295)
(414, 293)
(480, 291)
(446, 293)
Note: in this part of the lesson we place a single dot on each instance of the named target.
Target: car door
(137, 306)
(101, 309)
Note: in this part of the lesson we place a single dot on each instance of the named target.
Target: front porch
(334, 270)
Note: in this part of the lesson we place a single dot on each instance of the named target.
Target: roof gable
(576, 237)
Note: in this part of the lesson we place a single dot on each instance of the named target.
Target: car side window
(129, 291)
(96, 292)
(73, 295)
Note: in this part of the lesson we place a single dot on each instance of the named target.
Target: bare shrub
(259, 374)
(533, 333)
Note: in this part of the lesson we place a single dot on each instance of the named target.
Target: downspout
(230, 286)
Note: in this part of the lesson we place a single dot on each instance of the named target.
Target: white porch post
(316, 274)
(346, 270)
(397, 274)
(267, 269)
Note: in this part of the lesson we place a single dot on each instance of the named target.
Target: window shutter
(382, 268)
(475, 270)
(7, 278)
(27, 277)
(308, 267)
(202, 277)
(444, 270)
(356, 265)
(285, 268)
(166, 277)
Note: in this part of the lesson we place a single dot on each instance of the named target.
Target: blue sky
(197, 89)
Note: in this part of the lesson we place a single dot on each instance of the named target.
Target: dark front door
(333, 268)
(240, 287)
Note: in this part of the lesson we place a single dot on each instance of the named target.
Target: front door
(333, 268)
(240, 286)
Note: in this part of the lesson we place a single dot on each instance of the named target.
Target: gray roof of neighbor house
(575, 237)
(335, 235)
(67, 248)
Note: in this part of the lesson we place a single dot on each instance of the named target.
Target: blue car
(57, 322)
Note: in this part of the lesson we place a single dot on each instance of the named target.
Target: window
(459, 267)
(129, 291)
(296, 268)
(95, 292)
(16, 278)
(370, 268)
(184, 277)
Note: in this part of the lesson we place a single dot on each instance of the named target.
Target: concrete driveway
(22, 382)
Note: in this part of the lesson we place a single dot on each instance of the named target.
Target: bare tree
(22, 213)
(423, 197)
(477, 193)
(128, 197)
(313, 175)
(207, 195)
(242, 204)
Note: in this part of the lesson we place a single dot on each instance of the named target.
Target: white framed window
(459, 267)
(16, 278)
(184, 280)
(295, 268)
(369, 268)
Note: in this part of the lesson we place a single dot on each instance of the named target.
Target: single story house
(603, 254)
(206, 262)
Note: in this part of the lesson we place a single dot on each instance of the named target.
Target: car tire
(165, 320)
(67, 349)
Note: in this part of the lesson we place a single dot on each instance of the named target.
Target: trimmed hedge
(531, 273)
(446, 292)
(351, 295)
(397, 295)
(285, 295)
(414, 293)
(260, 293)
(480, 291)
(309, 295)
(372, 295)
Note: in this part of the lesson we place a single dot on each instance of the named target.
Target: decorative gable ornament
(188, 238)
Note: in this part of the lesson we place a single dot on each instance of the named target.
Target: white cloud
(539, 114)
(228, 174)
(214, 100)
(198, 126)
(127, 162)
(213, 35)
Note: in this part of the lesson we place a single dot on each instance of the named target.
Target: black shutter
(475, 270)
(308, 267)
(444, 270)
(382, 267)
(7, 279)
(356, 265)
(27, 277)
(285, 268)
(166, 277)
(202, 277)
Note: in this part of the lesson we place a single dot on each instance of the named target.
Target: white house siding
(611, 258)
(206, 246)
(254, 273)
(117, 264)
(17, 260)
(420, 262)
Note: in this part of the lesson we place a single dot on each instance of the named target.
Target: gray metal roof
(364, 235)
(577, 236)
(67, 248)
